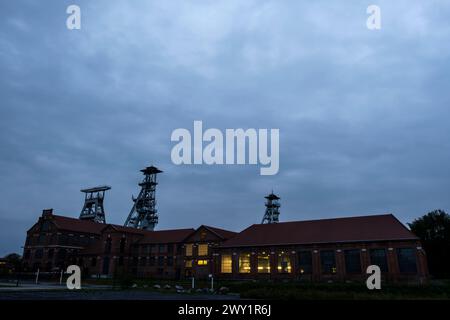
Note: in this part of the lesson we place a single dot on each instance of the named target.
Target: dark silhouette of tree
(13, 263)
(434, 231)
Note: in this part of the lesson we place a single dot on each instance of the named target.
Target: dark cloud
(362, 115)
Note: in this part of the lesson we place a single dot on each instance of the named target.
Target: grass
(344, 291)
(435, 290)
(294, 290)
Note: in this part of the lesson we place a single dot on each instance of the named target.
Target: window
(27, 254)
(406, 260)
(162, 248)
(41, 238)
(284, 263)
(188, 264)
(120, 262)
(305, 262)
(50, 254)
(244, 263)
(93, 262)
(108, 245)
(143, 261)
(226, 264)
(105, 265)
(378, 257)
(352, 261)
(135, 249)
(122, 245)
(202, 262)
(45, 226)
(203, 249)
(152, 261)
(328, 261)
(61, 255)
(263, 263)
(160, 261)
(170, 248)
(38, 254)
(153, 249)
(189, 249)
(63, 239)
(53, 238)
(170, 261)
(145, 250)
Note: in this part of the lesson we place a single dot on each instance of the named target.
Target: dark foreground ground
(105, 295)
(145, 290)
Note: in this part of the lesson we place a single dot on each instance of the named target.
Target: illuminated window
(202, 262)
(328, 261)
(305, 262)
(284, 263)
(244, 263)
(189, 249)
(263, 263)
(226, 265)
(188, 264)
(202, 249)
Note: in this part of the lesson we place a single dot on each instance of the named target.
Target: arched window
(108, 244)
(122, 245)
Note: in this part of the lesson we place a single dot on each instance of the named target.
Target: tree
(434, 231)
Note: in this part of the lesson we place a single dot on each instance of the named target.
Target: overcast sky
(363, 115)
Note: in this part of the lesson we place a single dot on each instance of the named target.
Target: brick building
(328, 249)
(317, 250)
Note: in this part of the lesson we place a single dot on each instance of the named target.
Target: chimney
(46, 213)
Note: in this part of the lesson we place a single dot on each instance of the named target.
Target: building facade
(322, 250)
(318, 250)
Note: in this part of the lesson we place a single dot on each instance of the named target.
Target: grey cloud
(362, 115)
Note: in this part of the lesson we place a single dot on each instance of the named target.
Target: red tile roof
(222, 233)
(77, 225)
(160, 236)
(351, 229)
(166, 236)
(126, 229)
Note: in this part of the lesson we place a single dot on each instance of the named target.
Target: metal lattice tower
(144, 215)
(272, 209)
(93, 204)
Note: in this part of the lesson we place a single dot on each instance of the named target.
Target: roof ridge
(221, 229)
(324, 219)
